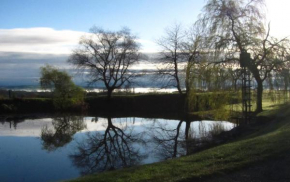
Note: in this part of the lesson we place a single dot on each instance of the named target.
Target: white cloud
(148, 46)
(48, 41)
(39, 40)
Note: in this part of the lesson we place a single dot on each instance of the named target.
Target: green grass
(266, 142)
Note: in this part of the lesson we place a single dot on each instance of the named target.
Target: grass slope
(266, 142)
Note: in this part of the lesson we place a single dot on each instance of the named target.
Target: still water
(59, 148)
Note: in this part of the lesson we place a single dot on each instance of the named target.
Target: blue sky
(146, 18)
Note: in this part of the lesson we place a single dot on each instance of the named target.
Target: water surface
(65, 147)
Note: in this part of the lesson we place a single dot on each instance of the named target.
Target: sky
(69, 19)
(38, 32)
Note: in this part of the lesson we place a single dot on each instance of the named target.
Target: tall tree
(236, 27)
(172, 56)
(107, 56)
(193, 48)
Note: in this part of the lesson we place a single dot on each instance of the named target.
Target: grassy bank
(263, 142)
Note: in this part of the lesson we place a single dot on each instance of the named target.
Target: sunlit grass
(270, 103)
(271, 100)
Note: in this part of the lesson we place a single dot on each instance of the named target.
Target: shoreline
(130, 104)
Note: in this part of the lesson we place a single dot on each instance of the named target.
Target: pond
(66, 147)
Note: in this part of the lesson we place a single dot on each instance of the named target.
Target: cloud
(20, 68)
(39, 40)
(148, 46)
(49, 41)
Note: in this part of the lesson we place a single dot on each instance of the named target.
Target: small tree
(107, 56)
(65, 92)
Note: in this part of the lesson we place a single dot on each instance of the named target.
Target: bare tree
(107, 56)
(181, 51)
(237, 27)
(172, 56)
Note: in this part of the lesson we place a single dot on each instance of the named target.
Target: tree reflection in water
(13, 121)
(116, 147)
(64, 129)
(168, 139)
(120, 144)
(173, 141)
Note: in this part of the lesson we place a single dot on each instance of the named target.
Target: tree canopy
(65, 92)
(107, 57)
(233, 27)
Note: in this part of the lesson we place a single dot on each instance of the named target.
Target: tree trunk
(259, 107)
(235, 84)
(109, 93)
(177, 81)
(178, 87)
(176, 75)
